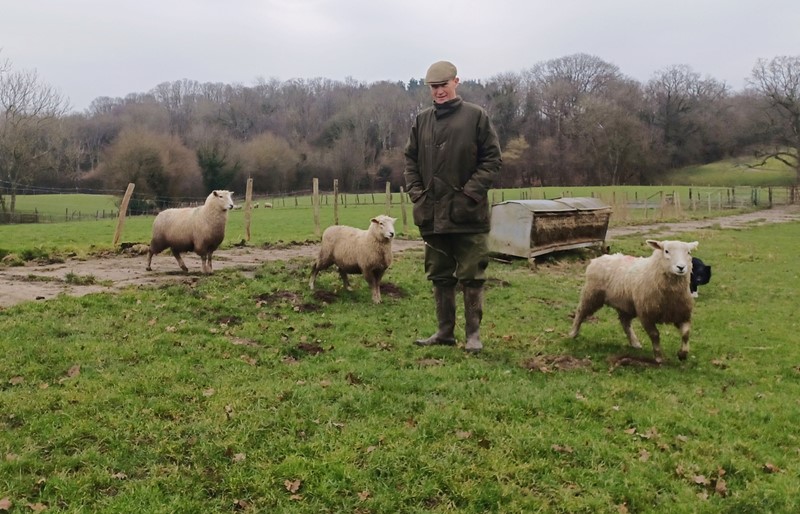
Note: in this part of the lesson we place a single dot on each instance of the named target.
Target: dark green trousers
(456, 258)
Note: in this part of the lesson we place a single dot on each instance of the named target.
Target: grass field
(248, 393)
(729, 173)
(733, 172)
(292, 218)
(63, 207)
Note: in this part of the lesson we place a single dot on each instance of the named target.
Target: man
(452, 159)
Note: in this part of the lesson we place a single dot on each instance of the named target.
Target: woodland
(569, 121)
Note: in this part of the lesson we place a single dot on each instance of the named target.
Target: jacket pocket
(423, 210)
(464, 210)
(415, 194)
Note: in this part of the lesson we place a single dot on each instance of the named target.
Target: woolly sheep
(655, 289)
(354, 250)
(199, 229)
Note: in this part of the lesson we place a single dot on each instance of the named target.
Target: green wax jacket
(452, 159)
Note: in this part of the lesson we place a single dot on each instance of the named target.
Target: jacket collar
(448, 107)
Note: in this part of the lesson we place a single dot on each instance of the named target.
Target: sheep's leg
(321, 264)
(686, 329)
(655, 338)
(345, 280)
(205, 265)
(588, 305)
(149, 260)
(373, 278)
(314, 272)
(625, 319)
(208, 261)
(178, 258)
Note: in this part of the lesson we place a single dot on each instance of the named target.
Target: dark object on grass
(701, 275)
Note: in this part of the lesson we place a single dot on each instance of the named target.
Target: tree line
(574, 120)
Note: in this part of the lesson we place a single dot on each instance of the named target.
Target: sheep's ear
(655, 244)
(215, 193)
(374, 220)
(693, 245)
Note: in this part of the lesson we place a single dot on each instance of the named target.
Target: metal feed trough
(529, 228)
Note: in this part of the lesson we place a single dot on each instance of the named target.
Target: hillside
(732, 172)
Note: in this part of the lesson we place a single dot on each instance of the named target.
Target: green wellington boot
(445, 298)
(473, 313)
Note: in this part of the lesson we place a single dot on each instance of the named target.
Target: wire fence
(653, 203)
(34, 216)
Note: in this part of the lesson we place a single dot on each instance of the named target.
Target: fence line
(661, 203)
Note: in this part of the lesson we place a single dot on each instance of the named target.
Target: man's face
(442, 93)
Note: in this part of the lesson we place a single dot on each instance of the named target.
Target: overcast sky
(92, 48)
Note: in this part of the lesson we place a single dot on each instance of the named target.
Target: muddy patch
(112, 272)
(621, 361)
(553, 363)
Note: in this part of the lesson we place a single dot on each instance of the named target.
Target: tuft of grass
(79, 280)
(255, 394)
(41, 278)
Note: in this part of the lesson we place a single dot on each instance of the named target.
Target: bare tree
(504, 98)
(269, 160)
(778, 81)
(682, 106)
(29, 111)
(563, 82)
(611, 137)
(557, 89)
(159, 164)
(179, 98)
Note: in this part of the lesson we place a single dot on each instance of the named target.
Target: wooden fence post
(388, 198)
(315, 204)
(336, 201)
(248, 207)
(123, 209)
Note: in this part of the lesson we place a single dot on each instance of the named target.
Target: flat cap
(440, 72)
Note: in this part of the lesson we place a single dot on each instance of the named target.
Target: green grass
(733, 172)
(268, 226)
(59, 207)
(235, 392)
(292, 219)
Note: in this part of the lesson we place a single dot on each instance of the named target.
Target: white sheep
(353, 250)
(655, 289)
(198, 229)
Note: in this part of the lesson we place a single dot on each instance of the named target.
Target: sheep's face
(384, 225)
(675, 256)
(223, 198)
